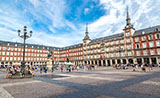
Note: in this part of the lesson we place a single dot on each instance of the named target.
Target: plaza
(103, 82)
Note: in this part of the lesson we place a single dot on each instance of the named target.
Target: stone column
(150, 61)
(142, 60)
(157, 61)
(127, 61)
(98, 62)
(102, 63)
(106, 62)
(111, 62)
(116, 61)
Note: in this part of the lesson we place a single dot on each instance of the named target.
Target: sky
(61, 23)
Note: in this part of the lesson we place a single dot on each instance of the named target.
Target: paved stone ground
(104, 82)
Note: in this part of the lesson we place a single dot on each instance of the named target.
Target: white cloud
(86, 10)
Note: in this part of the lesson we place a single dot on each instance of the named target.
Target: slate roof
(97, 40)
(147, 30)
(17, 44)
(108, 38)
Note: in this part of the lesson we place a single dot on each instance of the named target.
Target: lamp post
(24, 36)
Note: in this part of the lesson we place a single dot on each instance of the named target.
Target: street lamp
(24, 36)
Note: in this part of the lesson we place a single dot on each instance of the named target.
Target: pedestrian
(40, 69)
(61, 68)
(52, 68)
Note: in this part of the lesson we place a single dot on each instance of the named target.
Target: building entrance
(104, 63)
(124, 61)
(99, 62)
(108, 61)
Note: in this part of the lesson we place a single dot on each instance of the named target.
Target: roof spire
(128, 19)
(86, 36)
(86, 27)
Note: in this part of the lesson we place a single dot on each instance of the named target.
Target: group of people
(136, 67)
(13, 69)
(71, 68)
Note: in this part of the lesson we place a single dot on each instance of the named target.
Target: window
(128, 40)
(7, 58)
(158, 43)
(3, 53)
(150, 37)
(158, 50)
(157, 36)
(11, 53)
(143, 38)
(144, 45)
(11, 58)
(122, 41)
(152, 52)
(145, 52)
(4, 48)
(129, 53)
(7, 53)
(151, 44)
(117, 42)
(3, 58)
(128, 46)
(137, 46)
(127, 34)
(138, 53)
(137, 39)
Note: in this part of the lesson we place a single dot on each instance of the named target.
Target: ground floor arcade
(113, 61)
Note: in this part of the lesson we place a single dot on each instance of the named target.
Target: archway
(124, 61)
(99, 62)
(130, 61)
(146, 60)
(154, 61)
(108, 61)
(113, 62)
(104, 62)
(118, 61)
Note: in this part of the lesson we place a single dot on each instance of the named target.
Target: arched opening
(124, 61)
(154, 61)
(85, 62)
(113, 62)
(89, 62)
(146, 60)
(108, 61)
(99, 62)
(139, 60)
(96, 62)
(92, 62)
(130, 61)
(104, 63)
(118, 61)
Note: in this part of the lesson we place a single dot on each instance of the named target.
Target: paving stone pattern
(104, 82)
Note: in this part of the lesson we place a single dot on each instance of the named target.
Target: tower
(128, 41)
(86, 40)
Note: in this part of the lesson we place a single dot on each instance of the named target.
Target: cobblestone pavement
(104, 82)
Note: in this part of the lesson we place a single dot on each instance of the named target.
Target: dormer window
(157, 36)
(150, 37)
(32, 46)
(156, 30)
(8, 44)
(143, 32)
(143, 38)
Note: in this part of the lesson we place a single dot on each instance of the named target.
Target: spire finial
(128, 18)
(86, 27)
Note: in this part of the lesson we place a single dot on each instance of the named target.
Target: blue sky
(62, 22)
